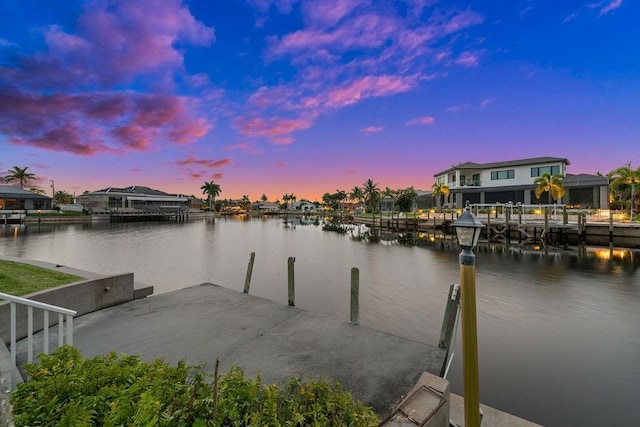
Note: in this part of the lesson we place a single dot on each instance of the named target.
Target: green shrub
(66, 389)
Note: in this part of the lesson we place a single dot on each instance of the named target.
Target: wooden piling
(247, 280)
(546, 225)
(355, 296)
(610, 228)
(291, 280)
(450, 314)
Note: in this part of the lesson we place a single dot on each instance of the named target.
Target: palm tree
(626, 176)
(439, 189)
(356, 194)
(19, 175)
(62, 197)
(371, 194)
(212, 190)
(549, 184)
(245, 202)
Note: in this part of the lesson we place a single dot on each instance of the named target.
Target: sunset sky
(307, 97)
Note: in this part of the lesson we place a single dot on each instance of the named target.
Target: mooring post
(292, 297)
(247, 280)
(610, 228)
(450, 314)
(355, 295)
(547, 238)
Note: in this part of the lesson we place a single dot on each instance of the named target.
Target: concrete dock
(201, 323)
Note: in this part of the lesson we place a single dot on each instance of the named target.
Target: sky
(307, 97)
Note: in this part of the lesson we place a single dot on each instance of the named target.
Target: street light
(468, 228)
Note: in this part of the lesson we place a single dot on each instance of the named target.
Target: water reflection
(552, 323)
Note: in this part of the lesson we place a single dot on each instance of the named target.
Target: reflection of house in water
(15, 198)
(133, 199)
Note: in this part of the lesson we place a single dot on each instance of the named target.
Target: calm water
(559, 335)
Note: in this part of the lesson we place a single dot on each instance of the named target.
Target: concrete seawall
(85, 296)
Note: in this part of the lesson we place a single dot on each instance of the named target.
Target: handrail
(31, 304)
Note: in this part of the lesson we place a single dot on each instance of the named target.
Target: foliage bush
(66, 389)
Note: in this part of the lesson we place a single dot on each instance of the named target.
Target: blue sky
(308, 97)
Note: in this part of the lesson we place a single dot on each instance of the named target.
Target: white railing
(47, 308)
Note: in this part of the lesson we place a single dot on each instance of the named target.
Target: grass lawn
(20, 279)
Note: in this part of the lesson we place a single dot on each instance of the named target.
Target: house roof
(11, 192)
(520, 162)
(134, 189)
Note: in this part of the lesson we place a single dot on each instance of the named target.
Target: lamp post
(468, 228)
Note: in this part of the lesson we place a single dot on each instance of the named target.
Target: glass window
(504, 174)
(539, 171)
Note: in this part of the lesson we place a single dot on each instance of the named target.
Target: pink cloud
(370, 86)
(606, 6)
(277, 129)
(329, 12)
(115, 42)
(457, 108)
(203, 162)
(372, 129)
(427, 120)
(88, 124)
(469, 58)
(280, 165)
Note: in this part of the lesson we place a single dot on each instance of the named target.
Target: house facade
(512, 181)
(134, 198)
(17, 199)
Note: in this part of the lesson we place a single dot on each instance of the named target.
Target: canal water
(558, 333)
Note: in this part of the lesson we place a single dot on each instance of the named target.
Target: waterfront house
(512, 181)
(133, 199)
(17, 199)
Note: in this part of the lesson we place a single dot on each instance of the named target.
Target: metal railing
(47, 308)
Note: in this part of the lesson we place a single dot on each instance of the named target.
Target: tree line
(624, 185)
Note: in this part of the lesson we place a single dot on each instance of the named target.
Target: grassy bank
(20, 279)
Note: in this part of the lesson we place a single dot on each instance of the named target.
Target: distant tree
(62, 197)
(356, 194)
(245, 202)
(439, 190)
(623, 181)
(212, 190)
(406, 199)
(264, 198)
(19, 175)
(37, 190)
(553, 185)
(371, 194)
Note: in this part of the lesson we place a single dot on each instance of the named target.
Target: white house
(512, 181)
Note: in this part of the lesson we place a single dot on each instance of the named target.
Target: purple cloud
(427, 120)
(49, 99)
(372, 129)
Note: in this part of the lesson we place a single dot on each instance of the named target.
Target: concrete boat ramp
(201, 323)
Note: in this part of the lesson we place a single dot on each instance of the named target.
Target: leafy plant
(66, 389)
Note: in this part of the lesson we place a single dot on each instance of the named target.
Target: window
(539, 171)
(504, 174)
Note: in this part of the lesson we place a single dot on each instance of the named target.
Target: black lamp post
(468, 229)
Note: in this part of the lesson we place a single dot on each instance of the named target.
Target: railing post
(29, 334)
(69, 329)
(291, 280)
(60, 329)
(45, 327)
(13, 346)
(355, 296)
